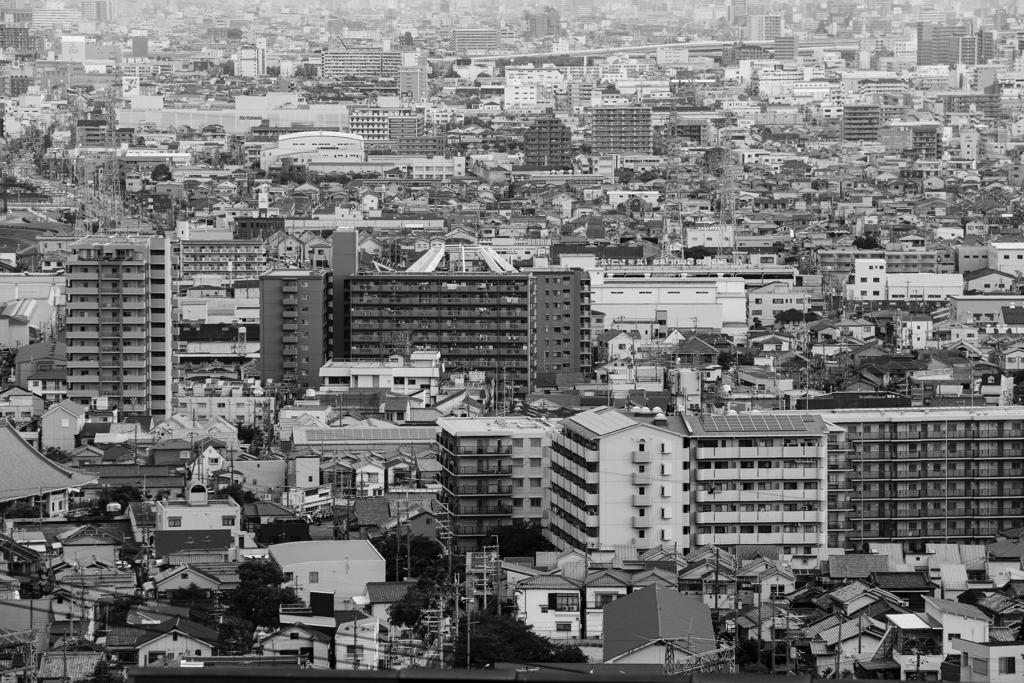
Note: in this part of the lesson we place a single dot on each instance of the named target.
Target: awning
(878, 664)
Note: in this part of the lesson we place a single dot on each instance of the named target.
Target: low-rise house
(308, 642)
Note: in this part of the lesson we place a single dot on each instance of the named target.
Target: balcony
(483, 450)
(641, 478)
(483, 490)
(486, 470)
(641, 522)
(641, 500)
(641, 457)
(484, 510)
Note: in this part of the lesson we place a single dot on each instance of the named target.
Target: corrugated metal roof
(942, 553)
(953, 577)
(656, 612)
(600, 422)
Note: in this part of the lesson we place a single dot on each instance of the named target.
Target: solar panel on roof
(753, 423)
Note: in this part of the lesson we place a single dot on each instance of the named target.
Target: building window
(314, 577)
(1007, 665)
(563, 626)
(227, 521)
(174, 522)
(535, 502)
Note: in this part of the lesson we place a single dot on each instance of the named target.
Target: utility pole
(355, 643)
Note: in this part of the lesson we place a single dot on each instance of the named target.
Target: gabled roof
(654, 613)
(386, 592)
(956, 608)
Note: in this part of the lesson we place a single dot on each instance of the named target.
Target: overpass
(698, 48)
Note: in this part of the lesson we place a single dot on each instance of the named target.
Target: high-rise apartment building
(119, 323)
(548, 143)
(620, 480)
(466, 301)
(20, 39)
(919, 475)
(413, 84)
(367, 62)
(55, 15)
(100, 11)
(861, 122)
(761, 479)
(562, 342)
(474, 41)
(252, 59)
(764, 27)
(938, 43)
(544, 24)
(295, 325)
(622, 130)
(230, 259)
(787, 48)
(494, 471)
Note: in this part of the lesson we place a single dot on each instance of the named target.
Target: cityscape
(552, 338)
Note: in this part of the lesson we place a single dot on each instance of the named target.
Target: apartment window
(314, 577)
(563, 602)
(227, 521)
(535, 502)
(535, 481)
(517, 502)
(517, 483)
(517, 443)
(535, 462)
(1007, 665)
(535, 443)
(563, 626)
(174, 522)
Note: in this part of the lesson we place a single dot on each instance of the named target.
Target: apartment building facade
(230, 259)
(494, 471)
(618, 479)
(761, 479)
(918, 475)
(468, 41)
(295, 325)
(468, 303)
(548, 143)
(622, 130)
(119, 312)
(562, 342)
(366, 62)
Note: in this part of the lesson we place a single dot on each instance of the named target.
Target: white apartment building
(619, 480)
(252, 59)
(529, 74)
(761, 479)
(315, 147)
(870, 283)
(1006, 257)
(199, 511)
(494, 471)
(420, 373)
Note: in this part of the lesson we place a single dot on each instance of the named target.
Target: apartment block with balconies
(295, 325)
(495, 471)
(618, 479)
(918, 475)
(119, 323)
(761, 479)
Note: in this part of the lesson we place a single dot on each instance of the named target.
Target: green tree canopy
(161, 172)
(507, 639)
(522, 539)
(260, 593)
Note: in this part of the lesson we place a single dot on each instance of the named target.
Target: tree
(228, 68)
(521, 539)
(21, 509)
(698, 253)
(274, 71)
(725, 359)
(427, 560)
(758, 325)
(161, 172)
(189, 595)
(624, 176)
(237, 493)
(745, 359)
(866, 242)
(260, 593)
(305, 71)
(507, 639)
(234, 34)
(117, 615)
(104, 674)
(408, 611)
(122, 495)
